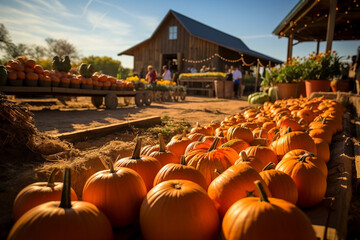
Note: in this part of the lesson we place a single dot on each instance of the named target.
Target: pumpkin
(147, 167)
(238, 132)
(322, 133)
(178, 209)
(279, 183)
(265, 154)
(164, 156)
(291, 141)
(11, 75)
(30, 63)
(306, 114)
(178, 146)
(38, 69)
(202, 130)
(180, 171)
(322, 149)
(21, 75)
(258, 98)
(266, 218)
(148, 149)
(196, 145)
(309, 180)
(207, 160)
(38, 193)
(118, 194)
(252, 161)
(309, 157)
(32, 76)
(237, 144)
(58, 220)
(233, 184)
(195, 136)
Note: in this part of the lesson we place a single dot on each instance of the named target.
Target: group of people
(151, 75)
(235, 75)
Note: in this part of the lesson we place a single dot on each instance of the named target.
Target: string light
(244, 63)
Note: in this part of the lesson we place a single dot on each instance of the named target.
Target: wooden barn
(181, 43)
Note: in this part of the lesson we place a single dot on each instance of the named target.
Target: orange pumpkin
(32, 76)
(63, 220)
(279, 183)
(237, 144)
(148, 149)
(38, 69)
(164, 156)
(207, 160)
(252, 161)
(322, 149)
(265, 154)
(174, 200)
(202, 130)
(21, 75)
(30, 63)
(238, 132)
(322, 133)
(147, 167)
(173, 171)
(116, 193)
(178, 146)
(38, 193)
(266, 218)
(233, 184)
(309, 180)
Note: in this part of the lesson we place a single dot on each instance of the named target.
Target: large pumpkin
(38, 193)
(178, 145)
(279, 183)
(266, 218)
(147, 167)
(173, 171)
(59, 220)
(237, 144)
(252, 161)
(322, 148)
(309, 180)
(233, 184)
(177, 210)
(116, 193)
(207, 160)
(164, 156)
(291, 141)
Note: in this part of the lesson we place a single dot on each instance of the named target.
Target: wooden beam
(257, 74)
(317, 46)
(108, 129)
(290, 47)
(331, 25)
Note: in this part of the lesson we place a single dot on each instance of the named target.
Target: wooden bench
(193, 86)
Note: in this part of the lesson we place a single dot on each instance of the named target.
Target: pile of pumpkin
(246, 182)
(25, 72)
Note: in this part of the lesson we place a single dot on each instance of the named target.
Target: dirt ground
(81, 114)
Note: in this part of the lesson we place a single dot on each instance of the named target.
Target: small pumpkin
(264, 153)
(173, 171)
(233, 184)
(252, 161)
(238, 132)
(279, 183)
(178, 146)
(164, 156)
(38, 193)
(147, 167)
(118, 194)
(237, 144)
(63, 219)
(178, 209)
(266, 218)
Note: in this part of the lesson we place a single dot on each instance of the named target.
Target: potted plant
(319, 70)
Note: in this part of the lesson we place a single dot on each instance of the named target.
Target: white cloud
(86, 7)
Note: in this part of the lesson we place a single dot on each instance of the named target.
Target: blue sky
(107, 27)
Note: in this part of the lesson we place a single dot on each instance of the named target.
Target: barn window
(172, 32)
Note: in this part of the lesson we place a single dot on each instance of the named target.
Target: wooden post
(317, 47)
(290, 47)
(257, 74)
(331, 25)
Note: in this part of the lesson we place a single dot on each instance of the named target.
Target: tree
(106, 65)
(61, 48)
(5, 38)
(12, 50)
(36, 52)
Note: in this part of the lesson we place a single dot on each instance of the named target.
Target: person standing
(151, 75)
(167, 74)
(237, 76)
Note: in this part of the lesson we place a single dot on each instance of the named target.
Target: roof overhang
(308, 21)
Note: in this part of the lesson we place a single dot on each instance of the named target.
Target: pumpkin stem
(305, 155)
(289, 130)
(197, 124)
(323, 120)
(181, 136)
(218, 171)
(136, 152)
(260, 133)
(276, 136)
(250, 194)
(244, 156)
(269, 166)
(302, 121)
(182, 160)
(111, 166)
(214, 144)
(65, 194)
(201, 138)
(51, 177)
(261, 191)
(161, 143)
